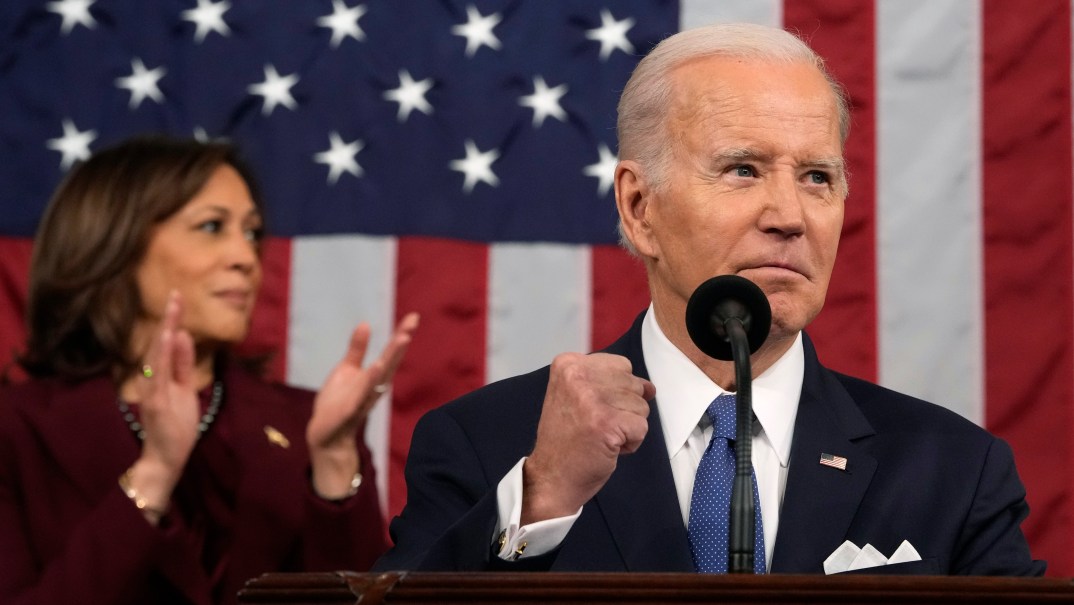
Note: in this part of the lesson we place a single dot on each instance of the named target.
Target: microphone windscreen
(719, 299)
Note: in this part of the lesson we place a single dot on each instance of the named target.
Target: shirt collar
(684, 392)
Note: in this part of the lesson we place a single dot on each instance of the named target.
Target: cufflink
(501, 541)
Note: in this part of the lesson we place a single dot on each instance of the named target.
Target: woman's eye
(255, 234)
(213, 226)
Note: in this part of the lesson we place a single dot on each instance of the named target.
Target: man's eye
(744, 171)
(818, 178)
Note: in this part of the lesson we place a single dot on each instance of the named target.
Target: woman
(142, 464)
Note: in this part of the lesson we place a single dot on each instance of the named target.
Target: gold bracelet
(138, 500)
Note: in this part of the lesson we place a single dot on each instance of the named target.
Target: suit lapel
(93, 445)
(87, 436)
(270, 448)
(820, 502)
(641, 510)
(638, 503)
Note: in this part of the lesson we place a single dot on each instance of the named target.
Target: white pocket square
(849, 557)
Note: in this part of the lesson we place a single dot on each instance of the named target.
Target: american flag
(834, 461)
(453, 157)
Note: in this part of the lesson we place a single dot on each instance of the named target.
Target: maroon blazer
(68, 534)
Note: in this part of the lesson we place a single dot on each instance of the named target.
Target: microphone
(720, 299)
(728, 317)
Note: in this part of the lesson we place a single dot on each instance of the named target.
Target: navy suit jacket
(915, 471)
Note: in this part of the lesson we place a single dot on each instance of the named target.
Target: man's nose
(783, 210)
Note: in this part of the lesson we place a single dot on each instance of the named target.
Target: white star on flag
(340, 157)
(603, 170)
(276, 90)
(73, 12)
(142, 83)
(478, 30)
(208, 17)
(202, 136)
(477, 166)
(74, 145)
(410, 95)
(343, 22)
(611, 34)
(545, 101)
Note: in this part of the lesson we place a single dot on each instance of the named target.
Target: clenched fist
(595, 410)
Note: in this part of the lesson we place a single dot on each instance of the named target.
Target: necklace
(203, 425)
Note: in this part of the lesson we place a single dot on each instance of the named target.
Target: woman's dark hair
(83, 298)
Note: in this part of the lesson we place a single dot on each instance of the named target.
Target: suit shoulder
(22, 392)
(15, 398)
(34, 395)
(511, 398)
(499, 418)
(488, 429)
(885, 407)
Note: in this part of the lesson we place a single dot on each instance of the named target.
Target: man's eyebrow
(831, 164)
(741, 154)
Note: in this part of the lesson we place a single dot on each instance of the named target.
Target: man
(731, 144)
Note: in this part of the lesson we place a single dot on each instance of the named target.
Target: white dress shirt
(683, 393)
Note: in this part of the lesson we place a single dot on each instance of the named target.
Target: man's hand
(595, 409)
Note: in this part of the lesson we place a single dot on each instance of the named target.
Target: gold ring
(147, 371)
(380, 389)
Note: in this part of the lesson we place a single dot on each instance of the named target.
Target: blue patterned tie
(711, 503)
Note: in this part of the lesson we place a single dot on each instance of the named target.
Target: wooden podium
(649, 588)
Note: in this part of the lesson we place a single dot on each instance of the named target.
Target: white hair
(643, 105)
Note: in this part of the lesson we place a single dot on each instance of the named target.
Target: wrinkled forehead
(720, 91)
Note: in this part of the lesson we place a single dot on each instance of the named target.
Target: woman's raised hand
(168, 410)
(343, 403)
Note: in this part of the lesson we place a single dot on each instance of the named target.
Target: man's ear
(633, 197)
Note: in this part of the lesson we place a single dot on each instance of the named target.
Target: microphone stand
(728, 317)
(742, 519)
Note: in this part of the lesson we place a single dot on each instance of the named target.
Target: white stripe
(337, 282)
(538, 305)
(694, 13)
(929, 201)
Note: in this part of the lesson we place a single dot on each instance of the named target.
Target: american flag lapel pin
(833, 461)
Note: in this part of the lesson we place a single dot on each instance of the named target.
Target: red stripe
(1026, 74)
(14, 282)
(268, 327)
(446, 281)
(843, 32)
(620, 292)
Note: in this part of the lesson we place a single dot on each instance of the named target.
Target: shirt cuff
(532, 540)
